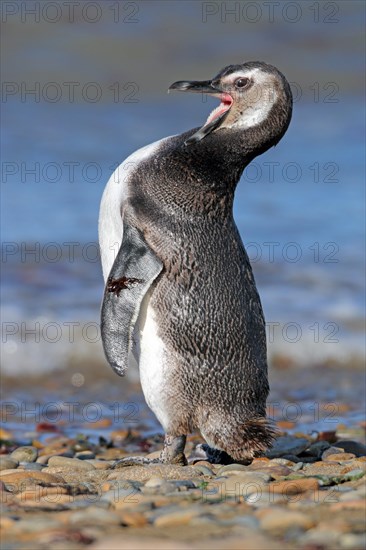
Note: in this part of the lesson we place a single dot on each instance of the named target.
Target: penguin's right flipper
(134, 270)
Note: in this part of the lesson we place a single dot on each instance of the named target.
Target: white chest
(151, 356)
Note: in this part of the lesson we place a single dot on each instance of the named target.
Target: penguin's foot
(212, 455)
(134, 461)
(172, 453)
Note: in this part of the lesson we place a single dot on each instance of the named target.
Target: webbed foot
(172, 453)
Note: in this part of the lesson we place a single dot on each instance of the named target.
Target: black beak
(200, 86)
(204, 87)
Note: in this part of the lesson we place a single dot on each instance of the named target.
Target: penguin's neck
(220, 158)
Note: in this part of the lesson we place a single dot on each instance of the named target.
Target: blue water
(299, 207)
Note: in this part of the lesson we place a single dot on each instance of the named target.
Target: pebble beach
(62, 486)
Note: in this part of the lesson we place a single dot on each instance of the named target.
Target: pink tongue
(226, 102)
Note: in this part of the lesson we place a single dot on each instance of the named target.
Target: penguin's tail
(243, 441)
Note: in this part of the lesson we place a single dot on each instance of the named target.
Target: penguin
(180, 293)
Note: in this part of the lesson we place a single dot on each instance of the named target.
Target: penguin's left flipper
(133, 272)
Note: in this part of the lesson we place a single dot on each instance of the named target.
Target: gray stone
(317, 448)
(85, 455)
(288, 445)
(25, 454)
(159, 486)
(122, 492)
(32, 466)
(331, 451)
(354, 447)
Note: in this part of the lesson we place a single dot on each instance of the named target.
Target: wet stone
(317, 448)
(25, 454)
(288, 444)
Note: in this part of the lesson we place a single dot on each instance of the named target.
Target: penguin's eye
(242, 82)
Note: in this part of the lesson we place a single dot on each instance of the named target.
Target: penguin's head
(251, 95)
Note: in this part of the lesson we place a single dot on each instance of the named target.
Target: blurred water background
(82, 89)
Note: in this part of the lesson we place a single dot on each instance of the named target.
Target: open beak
(217, 116)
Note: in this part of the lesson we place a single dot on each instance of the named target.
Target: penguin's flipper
(134, 270)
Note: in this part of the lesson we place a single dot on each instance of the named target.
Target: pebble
(236, 487)
(157, 485)
(353, 540)
(263, 499)
(94, 515)
(35, 466)
(181, 517)
(204, 470)
(25, 454)
(100, 464)
(288, 444)
(7, 463)
(339, 457)
(18, 477)
(278, 522)
(349, 504)
(35, 526)
(283, 462)
(359, 449)
(44, 458)
(70, 463)
(321, 468)
(232, 468)
(85, 455)
(78, 499)
(276, 471)
(331, 451)
(294, 487)
(317, 448)
(35, 492)
(133, 519)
